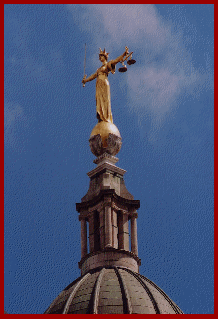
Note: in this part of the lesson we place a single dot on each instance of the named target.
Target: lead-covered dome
(113, 290)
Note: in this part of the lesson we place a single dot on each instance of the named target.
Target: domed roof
(112, 290)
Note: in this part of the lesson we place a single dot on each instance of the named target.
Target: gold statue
(103, 99)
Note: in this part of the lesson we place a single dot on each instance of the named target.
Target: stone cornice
(105, 157)
(106, 166)
(108, 193)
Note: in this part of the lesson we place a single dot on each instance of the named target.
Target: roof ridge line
(69, 300)
(147, 290)
(97, 291)
(122, 282)
(175, 307)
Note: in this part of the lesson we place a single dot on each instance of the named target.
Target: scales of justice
(105, 139)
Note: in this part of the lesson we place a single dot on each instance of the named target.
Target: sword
(84, 66)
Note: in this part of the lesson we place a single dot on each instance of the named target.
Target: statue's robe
(103, 97)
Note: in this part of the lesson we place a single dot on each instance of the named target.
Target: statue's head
(103, 53)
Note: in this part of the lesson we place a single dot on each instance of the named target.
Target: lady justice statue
(103, 99)
(105, 133)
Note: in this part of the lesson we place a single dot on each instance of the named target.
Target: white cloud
(112, 24)
(160, 86)
(164, 68)
(132, 23)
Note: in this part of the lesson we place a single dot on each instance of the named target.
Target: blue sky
(163, 108)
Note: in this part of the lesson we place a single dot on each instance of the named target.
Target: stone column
(91, 233)
(114, 228)
(108, 227)
(83, 238)
(102, 229)
(134, 242)
(120, 230)
(123, 232)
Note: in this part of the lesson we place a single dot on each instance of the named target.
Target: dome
(112, 290)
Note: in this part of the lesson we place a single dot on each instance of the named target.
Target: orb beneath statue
(105, 138)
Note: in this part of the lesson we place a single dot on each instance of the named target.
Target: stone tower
(110, 282)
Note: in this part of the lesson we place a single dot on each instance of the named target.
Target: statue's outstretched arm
(90, 78)
(120, 58)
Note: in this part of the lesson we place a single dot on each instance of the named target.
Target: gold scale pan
(129, 62)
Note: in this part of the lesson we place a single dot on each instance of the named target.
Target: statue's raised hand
(127, 50)
(84, 80)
